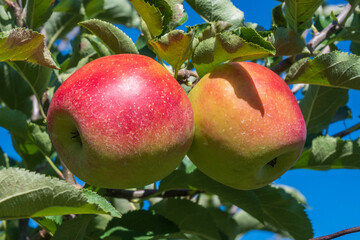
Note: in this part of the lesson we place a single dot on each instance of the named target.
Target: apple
(249, 129)
(121, 121)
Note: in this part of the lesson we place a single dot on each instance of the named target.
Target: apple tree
(44, 42)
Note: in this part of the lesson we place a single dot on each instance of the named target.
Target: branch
(318, 38)
(338, 234)
(17, 12)
(347, 131)
(129, 194)
(332, 27)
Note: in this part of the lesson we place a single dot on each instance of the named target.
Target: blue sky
(333, 196)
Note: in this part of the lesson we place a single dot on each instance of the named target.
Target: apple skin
(121, 121)
(249, 129)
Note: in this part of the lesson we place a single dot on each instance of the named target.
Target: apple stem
(57, 170)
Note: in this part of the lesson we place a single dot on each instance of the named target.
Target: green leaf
(38, 12)
(22, 44)
(248, 223)
(189, 216)
(71, 6)
(288, 42)
(174, 47)
(277, 16)
(76, 228)
(50, 223)
(116, 40)
(320, 105)
(6, 20)
(14, 91)
(140, 223)
(179, 16)
(101, 49)
(93, 7)
(59, 24)
(225, 223)
(36, 76)
(25, 194)
(187, 179)
(157, 14)
(30, 140)
(268, 204)
(335, 69)
(243, 44)
(299, 13)
(120, 12)
(330, 153)
(218, 10)
(285, 212)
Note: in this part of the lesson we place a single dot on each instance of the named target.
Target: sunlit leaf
(243, 44)
(174, 47)
(116, 40)
(299, 13)
(218, 10)
(25, 194)
(330, 153)
(22, 44)
(157, 14)
(335, 69)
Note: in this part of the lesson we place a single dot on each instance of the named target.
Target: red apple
(121, 121)
(249, 128)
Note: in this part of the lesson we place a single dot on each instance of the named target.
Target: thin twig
(332, 27)
(318, 38)
(17, 12)
(129, 194)
(347, 131)
(338, 234)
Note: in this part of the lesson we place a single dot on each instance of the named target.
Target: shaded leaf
(25, 194)
(330, 153)
(49, 223)
(292, 217)
(288, 42)
(75, 227)
(243, 44)
(22, 44)
(101, 49)
(174, 47)
(277, 16)
(299, 13)
(140, 223)
(14, 91)
(218, 10)
(225, 223)
(120, 12)
(268, 204)
(157, 14)
(116, 40)
(71, 6)
(320, 105)
(38, 12)
(93, 7)
(248, 223)
(190, 217)
(60, 24)
(335, 69)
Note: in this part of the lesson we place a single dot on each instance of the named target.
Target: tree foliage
(42, 42)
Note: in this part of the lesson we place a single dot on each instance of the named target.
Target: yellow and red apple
(121, 121)
(249, 129)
